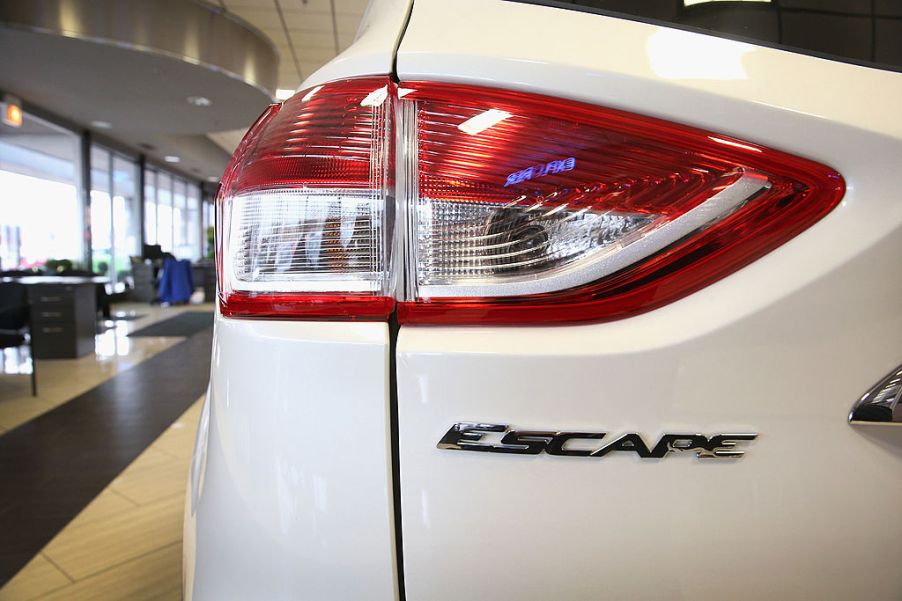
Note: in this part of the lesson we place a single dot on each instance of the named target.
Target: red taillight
(303, 228)
(558, 211)
(513, 208)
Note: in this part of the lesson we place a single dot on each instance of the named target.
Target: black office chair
(14, 321)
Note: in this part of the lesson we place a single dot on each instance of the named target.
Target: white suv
(531, 301)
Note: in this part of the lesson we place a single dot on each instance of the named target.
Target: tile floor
(126, 544)
(62, 379)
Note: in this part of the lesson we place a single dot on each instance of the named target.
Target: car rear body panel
(782, 348)
(292, 481)
(290, 492)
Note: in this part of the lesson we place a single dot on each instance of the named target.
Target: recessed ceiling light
(171, 158)
(101, 124)
(201, 101)
(284, 94)
(213, 179)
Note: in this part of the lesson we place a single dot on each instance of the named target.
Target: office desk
(63, 314)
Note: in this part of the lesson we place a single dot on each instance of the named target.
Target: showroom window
(41, 217)
(150, 206)
(179, 217)
(172, 213)
(209, 224)
(193, 223)
(115, 214)
(164, 211)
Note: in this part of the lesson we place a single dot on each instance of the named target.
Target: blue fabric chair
(176, 284)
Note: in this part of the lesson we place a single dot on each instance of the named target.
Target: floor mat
(183, 324)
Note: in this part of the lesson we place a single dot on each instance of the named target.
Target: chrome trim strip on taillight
(403, 265)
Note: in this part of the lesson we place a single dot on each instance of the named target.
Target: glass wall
(209, 223)
(126, 215)
(172, 216)
(193, 225)
(115, 214)
(164, 211)
(179, 216)
(101, 211)
(43, 212)
(41, 217)
(150, 206)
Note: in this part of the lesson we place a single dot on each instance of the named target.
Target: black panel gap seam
(394, 58)
(393, 328)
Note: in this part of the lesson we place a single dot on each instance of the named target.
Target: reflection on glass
(112, 340)
(16, 360)
(484, 120)
(374, 98)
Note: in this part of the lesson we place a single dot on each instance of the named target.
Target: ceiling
(139, 94)
(304, 33)
(307, 33)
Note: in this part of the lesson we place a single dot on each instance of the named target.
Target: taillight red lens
(303, 230)
(514, 208)
(536, 210)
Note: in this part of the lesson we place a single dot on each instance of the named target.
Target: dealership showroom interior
(272, 270)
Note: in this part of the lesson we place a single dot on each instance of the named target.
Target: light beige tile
(178, 439)
(150, 577)
(162, 470)
(104, 506)
(148, 481)
(151, 457)
(85, 549)
(179, 447)
(39, 576)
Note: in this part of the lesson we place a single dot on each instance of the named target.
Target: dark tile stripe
(52, 466)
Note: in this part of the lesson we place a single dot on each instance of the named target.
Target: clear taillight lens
(512, 207)
(527, 209)
(304, 219)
